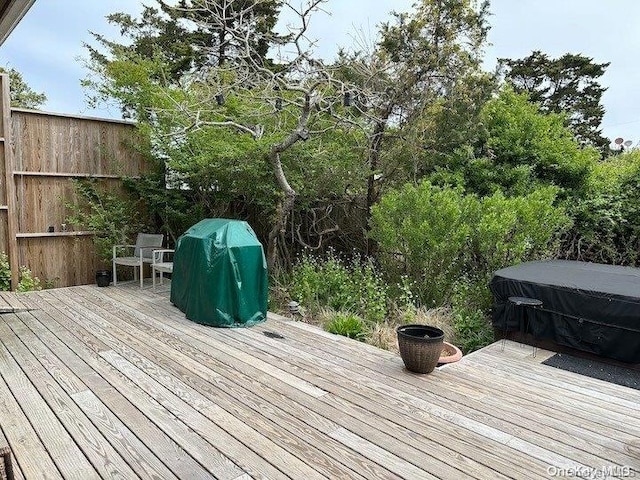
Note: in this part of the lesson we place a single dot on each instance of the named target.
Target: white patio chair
(146, 243)
(161, 264)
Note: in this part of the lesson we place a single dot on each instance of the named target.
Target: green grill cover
(220, 274)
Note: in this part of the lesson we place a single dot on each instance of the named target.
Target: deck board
(115, 382)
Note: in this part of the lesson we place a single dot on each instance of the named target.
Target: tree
(568, 84)
(257, 112)
(520, 149)
(190, 36)
(22, 95)
(415, 75)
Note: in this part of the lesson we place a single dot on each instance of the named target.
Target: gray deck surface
(116, 383)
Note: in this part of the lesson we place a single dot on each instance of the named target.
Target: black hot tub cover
(587, 306)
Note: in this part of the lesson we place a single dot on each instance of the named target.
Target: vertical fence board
(7, 140)
(60, 260)
(48, 151)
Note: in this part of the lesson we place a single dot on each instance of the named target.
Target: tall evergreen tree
(568, 84)
(193, 34)
(230, 96)
(22, 95)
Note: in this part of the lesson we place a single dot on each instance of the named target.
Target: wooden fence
(39, 155)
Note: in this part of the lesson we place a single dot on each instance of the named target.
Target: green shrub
(5, 272)
(523, 142)
(511, 230)
(472, 329)
(28, 282)
(331, 282)
(607, 218)
(439, 236)
(114, 218)
(347, 325)
(422, 233)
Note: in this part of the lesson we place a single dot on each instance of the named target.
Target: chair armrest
(158, 255)
(116, 247)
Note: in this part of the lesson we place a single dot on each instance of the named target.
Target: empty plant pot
(420, 347)
(450, 354)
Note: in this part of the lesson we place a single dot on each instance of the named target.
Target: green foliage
(181, 37)
(422, 233)
(5, 272)
(509, 230)
(113, 217)
(425, 87)
(22, 95)
(28, 282)
(438, 135)
(347, 325)
(331, 282)
(472, 329)
(174, 210)
(438, 235)
(607, 217)
(569, 85)
(528, 146)
(516, 150)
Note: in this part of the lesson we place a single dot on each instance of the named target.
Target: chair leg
(153, 276)
(141, 275)
(115, 276)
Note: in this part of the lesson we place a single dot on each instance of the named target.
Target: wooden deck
(116, 383)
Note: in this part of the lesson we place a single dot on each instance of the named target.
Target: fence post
(10, 186)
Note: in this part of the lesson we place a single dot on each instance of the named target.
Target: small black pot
(103, 278)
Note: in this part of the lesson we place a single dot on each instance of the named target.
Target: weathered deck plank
(106, 382)
(63, 449)
(429, 458)
(163, 446)
(95, 447)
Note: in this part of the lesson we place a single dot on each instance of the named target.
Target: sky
(47, 46)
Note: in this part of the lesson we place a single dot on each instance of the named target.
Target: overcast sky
(47, 45)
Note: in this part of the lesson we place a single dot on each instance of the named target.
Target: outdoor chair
(161, 264)
(146, 243)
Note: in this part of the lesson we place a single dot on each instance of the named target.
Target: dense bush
(348, 287)
(422, 232)
(450, 244)
(519, 137)
(438, 235)
(472, 328)
(607, 218)
(519, 149)
(113, 217)
(26, 280)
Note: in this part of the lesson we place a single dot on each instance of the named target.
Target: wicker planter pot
(420, 347)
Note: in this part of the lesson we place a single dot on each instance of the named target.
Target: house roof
(11, 12)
